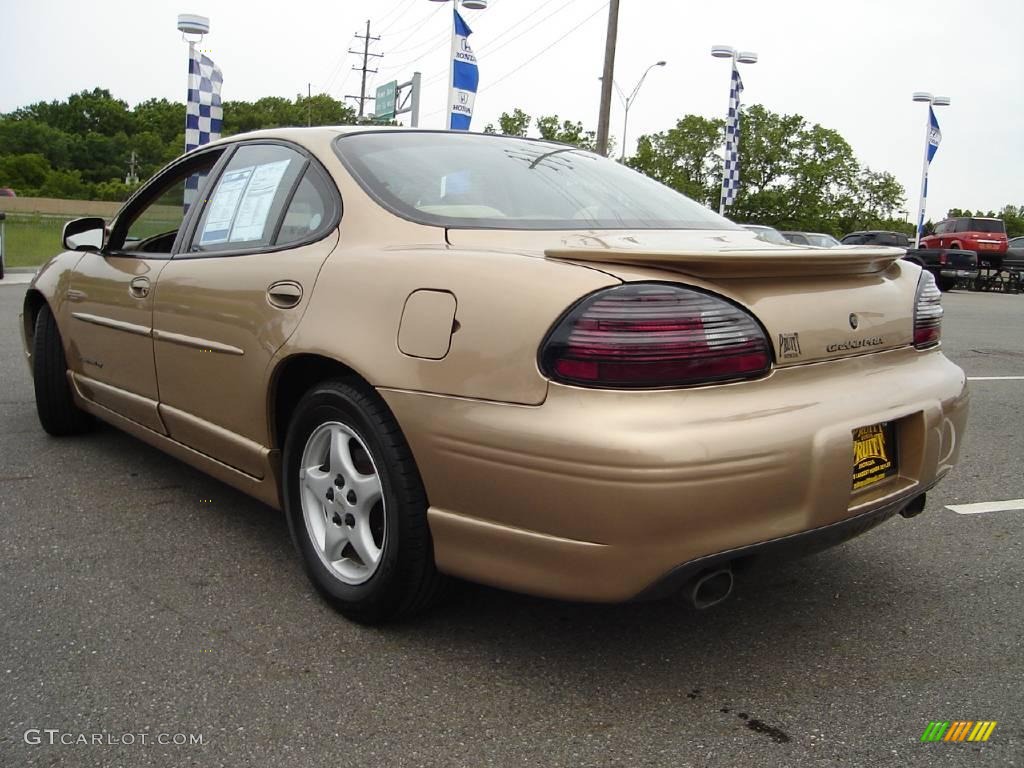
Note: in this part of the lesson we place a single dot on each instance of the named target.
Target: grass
(30, 239)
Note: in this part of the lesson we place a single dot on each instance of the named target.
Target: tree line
(82, 147)
(794, 174)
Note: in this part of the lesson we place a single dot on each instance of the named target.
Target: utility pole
(606, 78)
(132, 176)
(362, 97)
(309, 104)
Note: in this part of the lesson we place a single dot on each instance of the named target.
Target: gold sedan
(506, 360)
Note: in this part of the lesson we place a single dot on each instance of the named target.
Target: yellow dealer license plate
(874, 454)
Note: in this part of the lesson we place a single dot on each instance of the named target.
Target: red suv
(986, 237)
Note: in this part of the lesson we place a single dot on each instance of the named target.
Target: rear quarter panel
(505, 305)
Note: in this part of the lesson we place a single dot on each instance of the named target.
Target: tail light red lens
(927, 312)
(649, 335)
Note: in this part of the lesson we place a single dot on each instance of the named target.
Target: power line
(545, 49)
(415, 25)
(492, 49)
(398, 6)
(426, 20)
(520, 67)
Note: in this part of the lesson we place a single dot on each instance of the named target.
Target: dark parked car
(946, 264)
(1014, 258)
(876, 237)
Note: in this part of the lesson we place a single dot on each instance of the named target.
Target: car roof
(303, 134)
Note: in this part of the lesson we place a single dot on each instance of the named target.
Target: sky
(848, 66)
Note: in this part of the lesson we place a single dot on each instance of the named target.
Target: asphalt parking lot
(141, 597)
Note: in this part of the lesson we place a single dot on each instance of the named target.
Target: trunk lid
(816, 304)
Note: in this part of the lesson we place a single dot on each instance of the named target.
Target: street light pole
(738, 57)
(628, 102)
(932, 101)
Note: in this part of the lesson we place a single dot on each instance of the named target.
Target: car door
(110, 297)
(233, 294)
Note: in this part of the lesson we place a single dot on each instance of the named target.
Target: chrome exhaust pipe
(709, 588)
(915, 507)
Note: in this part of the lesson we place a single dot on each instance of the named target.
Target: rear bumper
(598, 495)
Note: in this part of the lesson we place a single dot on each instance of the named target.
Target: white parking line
(995, 378)
(987, 506)
(17, 278)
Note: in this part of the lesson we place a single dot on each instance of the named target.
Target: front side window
(498, 182)
(245, 206)
(150, 224)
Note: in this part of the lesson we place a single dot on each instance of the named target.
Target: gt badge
(854, 321)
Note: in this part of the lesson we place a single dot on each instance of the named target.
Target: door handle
(284, 294)
(139, 287)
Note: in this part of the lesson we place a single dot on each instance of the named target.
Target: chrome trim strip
(197, 343)
(117, 325)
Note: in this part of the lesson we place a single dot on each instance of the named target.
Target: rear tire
(372, 560)
(55, 405)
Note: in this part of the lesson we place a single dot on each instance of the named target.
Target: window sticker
(223, 206)
(251, 219)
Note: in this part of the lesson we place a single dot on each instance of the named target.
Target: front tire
(355, 505)
(55, 405)
(945, 283)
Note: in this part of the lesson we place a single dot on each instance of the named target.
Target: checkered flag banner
(731, 164)
(203, 112)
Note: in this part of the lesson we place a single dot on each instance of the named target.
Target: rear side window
(308, 211)
(988, 225)
(267, 195)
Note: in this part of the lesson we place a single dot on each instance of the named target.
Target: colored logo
(958, 730)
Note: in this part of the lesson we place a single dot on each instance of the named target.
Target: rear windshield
(987, 225)
(480, 181)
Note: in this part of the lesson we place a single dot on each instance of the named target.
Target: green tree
(684, 157)
(793, 175)
(163, 118)
(515, 124)
(65, 184)
(25, 174)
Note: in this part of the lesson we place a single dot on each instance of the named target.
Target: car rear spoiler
(740, 263)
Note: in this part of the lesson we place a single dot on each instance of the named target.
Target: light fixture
(723, 51)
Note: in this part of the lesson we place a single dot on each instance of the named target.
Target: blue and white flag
(465, 78)
(934, 139)
(731, 163)
(203, 112)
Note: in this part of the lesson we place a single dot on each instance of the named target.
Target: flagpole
(932, 102)
(737, 57)
(924, 180)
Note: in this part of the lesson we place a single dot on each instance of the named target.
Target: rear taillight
(654, 335)
(927, 312)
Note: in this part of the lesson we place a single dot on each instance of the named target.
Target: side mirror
(85, 234)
